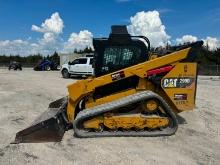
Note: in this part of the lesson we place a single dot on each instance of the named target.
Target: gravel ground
(24, 95)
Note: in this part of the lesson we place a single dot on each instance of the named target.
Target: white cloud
(54, 24)
(142, 23)
(186, 39)
(15, 47)
(149, 24)
(50, 41)
(211, 43)
(51, 29)
(79, 41)
(49, 37)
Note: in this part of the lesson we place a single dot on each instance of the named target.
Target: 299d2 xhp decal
(177, 82)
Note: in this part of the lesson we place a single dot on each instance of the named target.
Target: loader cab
(119, 51)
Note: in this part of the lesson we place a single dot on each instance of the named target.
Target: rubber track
(114, 105)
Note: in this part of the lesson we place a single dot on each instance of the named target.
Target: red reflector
(159, 70)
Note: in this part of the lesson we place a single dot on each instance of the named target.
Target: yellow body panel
(94, 123)
(86, 87)
(180, 85)
(137, 121)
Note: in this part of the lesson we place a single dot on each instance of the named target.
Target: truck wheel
(65, 73)
(47, 68)
(58, 67)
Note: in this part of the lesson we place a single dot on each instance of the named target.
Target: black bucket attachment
(49, 127)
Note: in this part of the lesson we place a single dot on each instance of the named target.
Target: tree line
(204, 57)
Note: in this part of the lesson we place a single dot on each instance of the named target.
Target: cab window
(79, 61)
(119, 57)
(82, 60)
(91, 61)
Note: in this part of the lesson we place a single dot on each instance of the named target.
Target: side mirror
(69, 63)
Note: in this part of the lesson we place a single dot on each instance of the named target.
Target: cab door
(90, 69)
(79, 66)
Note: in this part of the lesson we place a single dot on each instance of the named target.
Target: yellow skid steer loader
(132, 93)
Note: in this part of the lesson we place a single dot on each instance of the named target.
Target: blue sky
(200, 18)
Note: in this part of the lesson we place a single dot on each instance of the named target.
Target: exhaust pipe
(49, 127)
